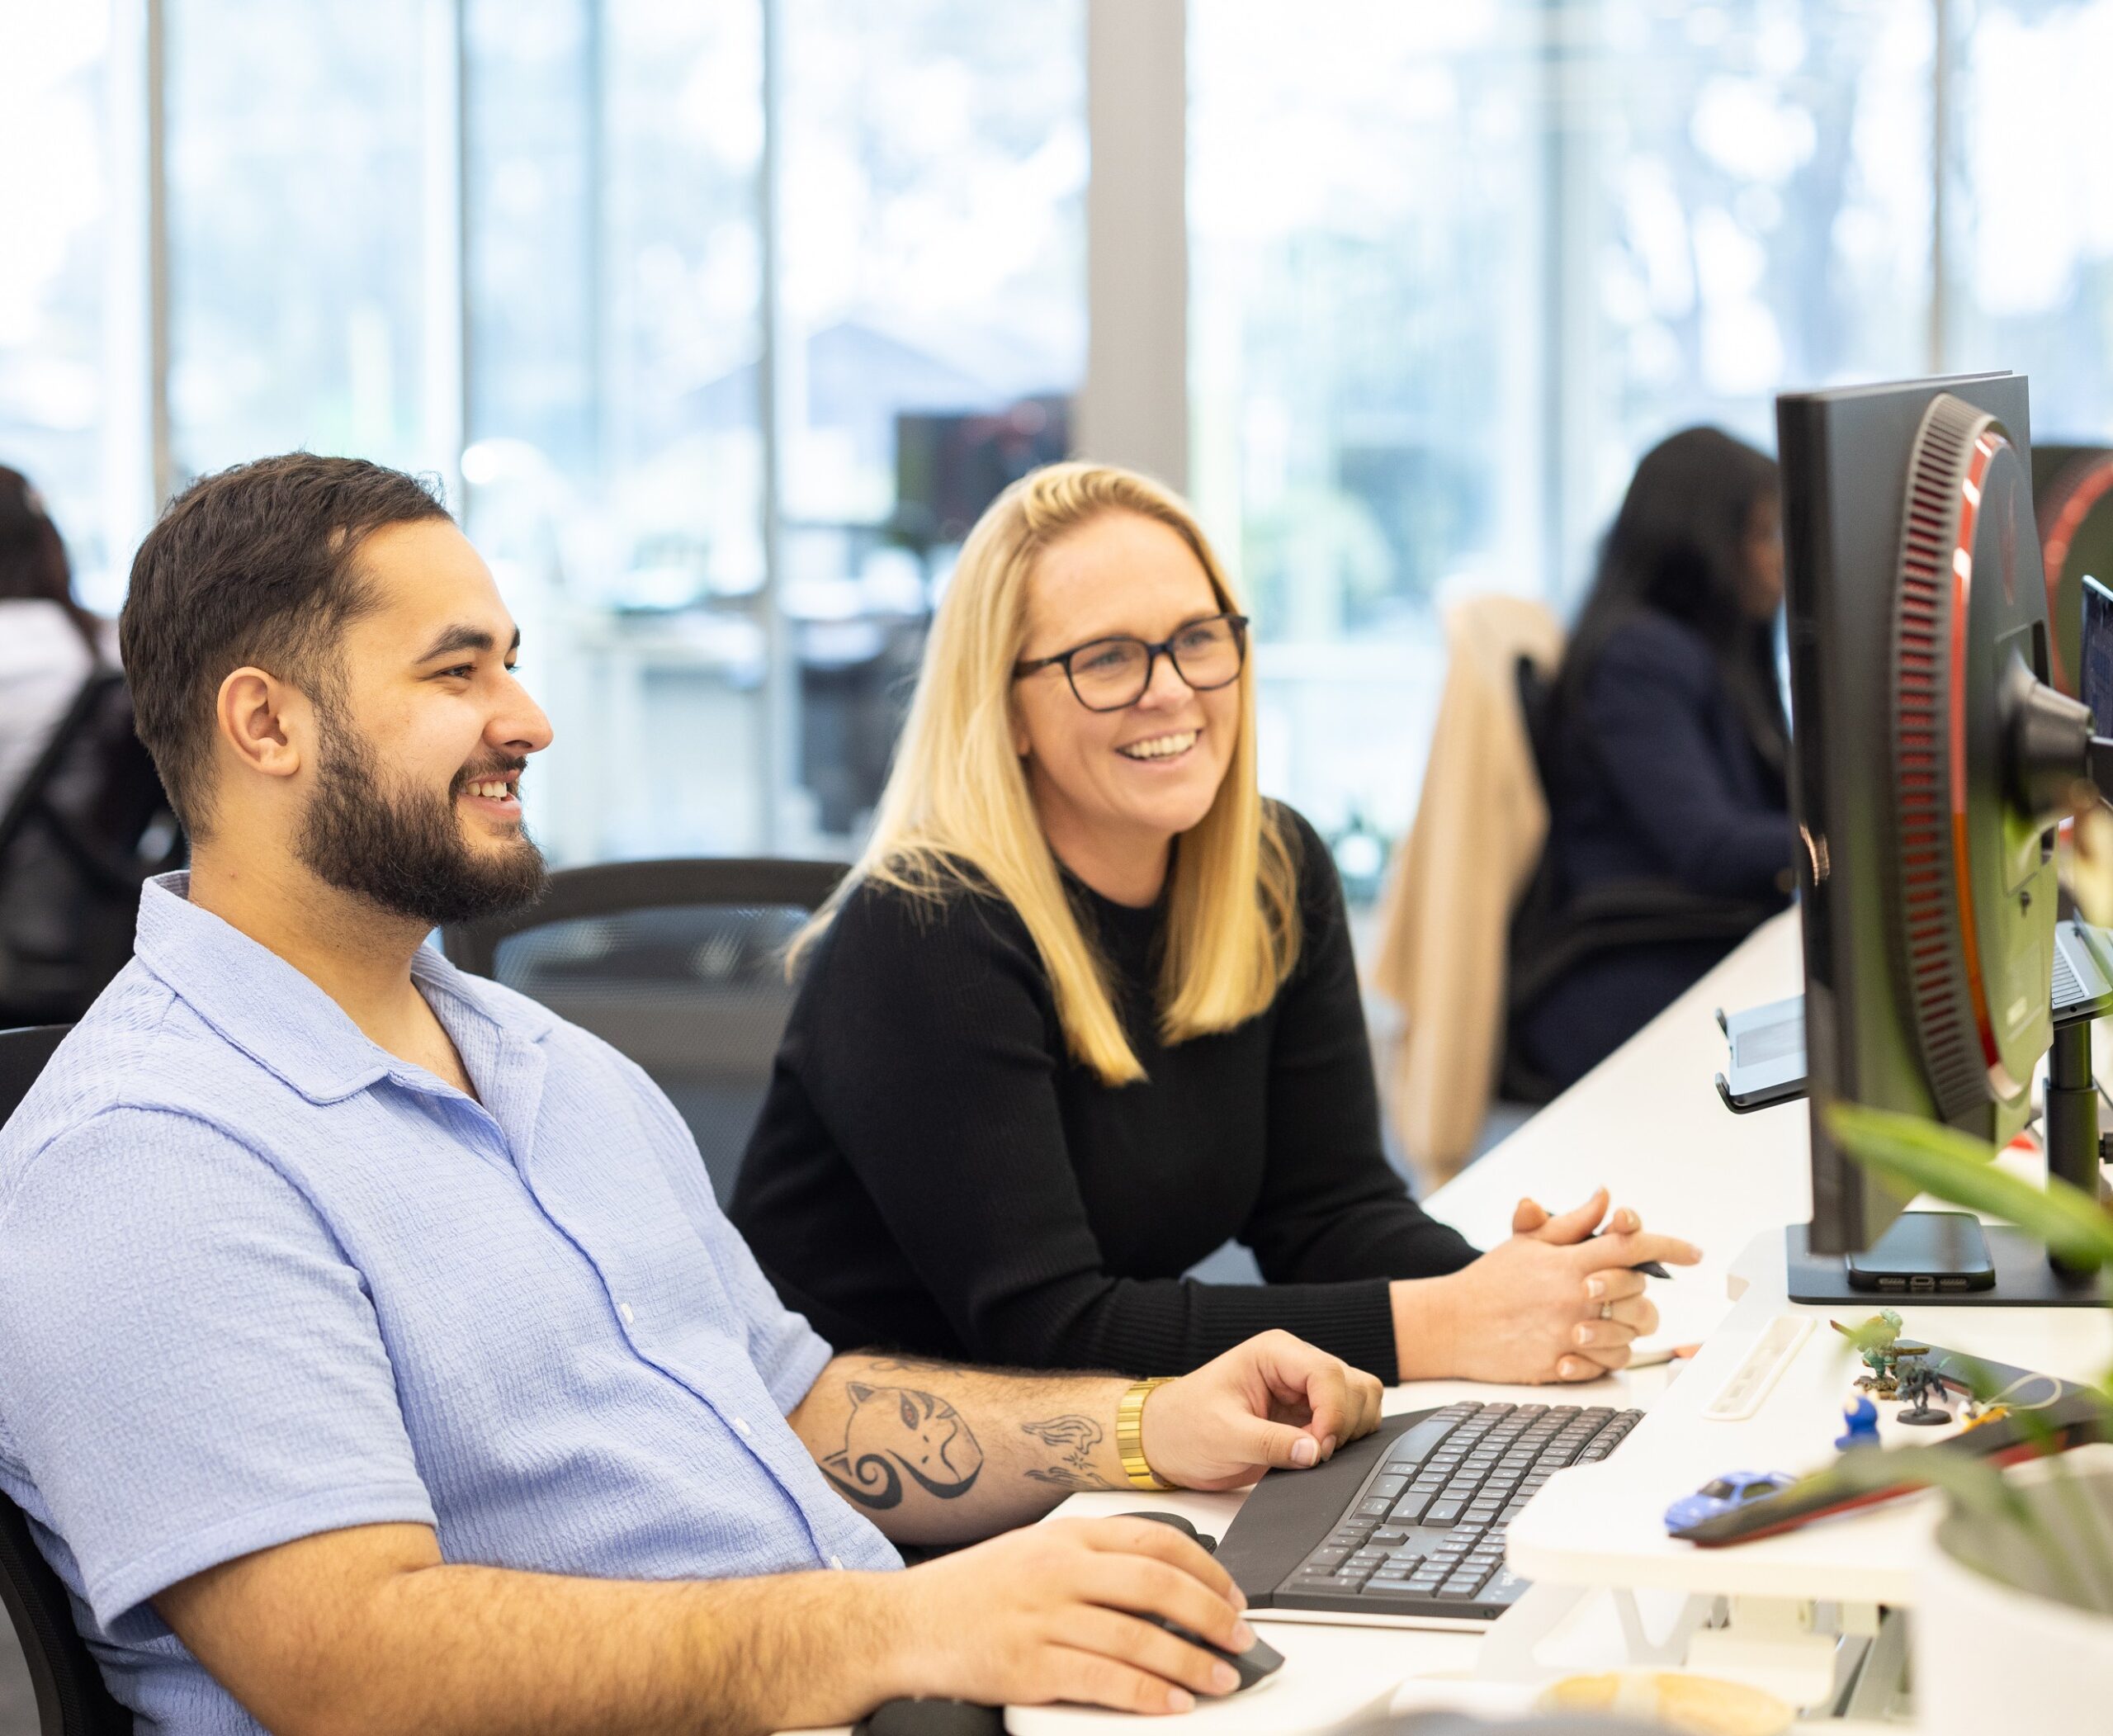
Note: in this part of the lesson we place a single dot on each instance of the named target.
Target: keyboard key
(1454, 1589)
(1386, 1488)
(1444, 1512)
(1410, 1509)
(1327, 1556)
(1389, 1536)
(1375, 1509)
(1327, 1584)
(1419, 1442)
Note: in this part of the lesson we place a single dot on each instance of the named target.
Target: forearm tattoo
(1075, 1438)
(893, 1431)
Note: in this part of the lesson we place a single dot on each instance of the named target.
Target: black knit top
(933, 1173)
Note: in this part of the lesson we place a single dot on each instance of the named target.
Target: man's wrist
(1130, 1434)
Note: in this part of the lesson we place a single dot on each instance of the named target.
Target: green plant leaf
(1955, 1167)
(1973, 1486)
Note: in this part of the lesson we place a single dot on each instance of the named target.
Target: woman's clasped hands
(1555, 1302)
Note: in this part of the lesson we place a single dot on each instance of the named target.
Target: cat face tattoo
(895, 1431)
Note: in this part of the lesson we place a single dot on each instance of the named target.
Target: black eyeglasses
(1108, 674)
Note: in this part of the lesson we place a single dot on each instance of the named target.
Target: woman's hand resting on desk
(1530, 1310)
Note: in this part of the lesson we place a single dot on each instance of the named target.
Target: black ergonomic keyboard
(1407, 1525)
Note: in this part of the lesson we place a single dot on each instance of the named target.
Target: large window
(1454, 270)
(1364, 181)
(722, 319)
(931, 330)
(615, 468)
(297, 245)
(1756, 215)
(2029, 277)
(56, 206)
(706, 620)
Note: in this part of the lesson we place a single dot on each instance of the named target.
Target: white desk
(1649, 1125)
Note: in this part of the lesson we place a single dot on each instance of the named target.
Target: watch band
(1129, 1433)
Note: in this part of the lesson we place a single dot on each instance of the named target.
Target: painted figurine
(1860, 1420)
(1876, 1341)
(1918, 1386)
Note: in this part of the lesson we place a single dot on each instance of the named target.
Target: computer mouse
(1258, 1660)
(931, 1718)
(1209, 1543)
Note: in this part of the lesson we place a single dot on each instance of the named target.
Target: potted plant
(2014, 1627)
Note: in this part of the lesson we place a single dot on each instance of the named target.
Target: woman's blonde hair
(957, 811)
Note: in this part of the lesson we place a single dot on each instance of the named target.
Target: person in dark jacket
(1087, 1009)
(1668, 735)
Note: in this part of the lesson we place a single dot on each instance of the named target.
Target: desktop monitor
(1932, 758)
(2072, 498)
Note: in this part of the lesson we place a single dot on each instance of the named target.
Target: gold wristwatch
(1129, 1434)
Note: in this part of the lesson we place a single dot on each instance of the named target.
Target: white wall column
(1133, 409)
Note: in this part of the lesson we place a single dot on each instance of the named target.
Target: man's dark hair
(254, 565)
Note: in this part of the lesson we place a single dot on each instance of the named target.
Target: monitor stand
(1940, 1249)
(2025, 1277)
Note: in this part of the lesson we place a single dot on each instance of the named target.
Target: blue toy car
(1734, 1489)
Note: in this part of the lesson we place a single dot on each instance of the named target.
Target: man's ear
(264, 721)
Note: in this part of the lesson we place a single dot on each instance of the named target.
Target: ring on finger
(1606, 1310)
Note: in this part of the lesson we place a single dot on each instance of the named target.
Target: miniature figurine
(1979, 1416)
(1918, 1386)
(1875, 1340)
(1860, 1425)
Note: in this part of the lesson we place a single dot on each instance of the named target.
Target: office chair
(88, 827)
(1550, 936)
(678, 964)
(71, 1699)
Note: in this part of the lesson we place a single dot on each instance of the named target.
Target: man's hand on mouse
(1055, 1612)
(1275, 1403)
(1553, 1302)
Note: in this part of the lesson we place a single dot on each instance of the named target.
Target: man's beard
(403, 851)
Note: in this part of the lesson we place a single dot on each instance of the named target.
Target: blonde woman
(1086, 1008)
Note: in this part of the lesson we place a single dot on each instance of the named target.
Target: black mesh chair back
(71, 1699)
(88, 826)
(679, 965)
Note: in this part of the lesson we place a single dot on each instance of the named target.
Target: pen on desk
(1649, 1268)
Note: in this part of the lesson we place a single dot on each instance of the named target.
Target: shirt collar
(279, 1018)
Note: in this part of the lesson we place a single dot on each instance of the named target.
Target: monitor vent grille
(1930, 954)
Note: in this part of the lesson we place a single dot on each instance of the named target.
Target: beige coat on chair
(1480, 825)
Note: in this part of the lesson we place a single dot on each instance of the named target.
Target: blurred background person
(82, 818)
(1666, 739)
(48, 644)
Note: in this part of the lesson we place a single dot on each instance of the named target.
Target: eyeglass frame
(1154, 650)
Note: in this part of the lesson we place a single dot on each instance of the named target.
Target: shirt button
(624, 1309)
(835, 1563)
(741, 1427)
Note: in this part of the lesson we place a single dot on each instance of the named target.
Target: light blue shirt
(260, 1279)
